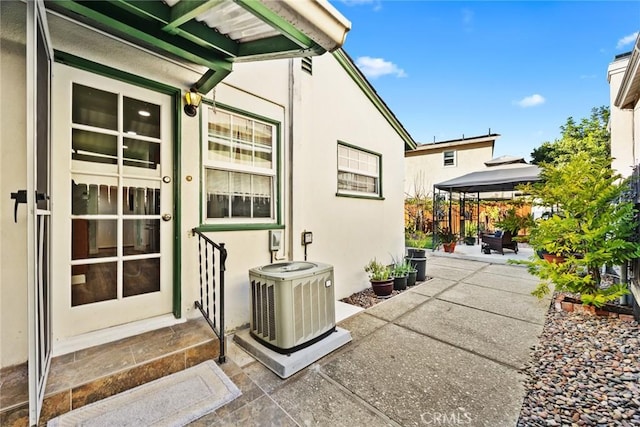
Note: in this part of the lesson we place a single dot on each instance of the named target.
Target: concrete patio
(446, 352)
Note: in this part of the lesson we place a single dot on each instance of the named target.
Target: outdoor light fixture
(192, 102)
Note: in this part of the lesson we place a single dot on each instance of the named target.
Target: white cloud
(531, 101)
(376, 67)
(627, 40)
(377, 4)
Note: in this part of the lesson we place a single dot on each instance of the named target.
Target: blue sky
(448, 68)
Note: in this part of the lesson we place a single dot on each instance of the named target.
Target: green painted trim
(261, 11)
(177, 202)
(187, 10)
(345, 61)
(238, 227)
(278, 125)
(353, 196)
(176, 95)
(104, 70)
(190, 30)
(120, 20)
(210, 79)
(279, 44)
(364, 150)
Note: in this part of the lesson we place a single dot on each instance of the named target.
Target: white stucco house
(109, 175)
(431, 163)
(623, 75)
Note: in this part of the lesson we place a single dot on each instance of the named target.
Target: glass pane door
(119, 140)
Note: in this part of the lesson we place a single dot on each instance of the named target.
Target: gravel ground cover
(585, 371)
(368, 298)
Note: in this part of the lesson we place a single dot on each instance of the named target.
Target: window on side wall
(240, 169)
(358, 172)
(449, 158)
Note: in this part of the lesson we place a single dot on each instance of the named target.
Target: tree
(590, 135)
(592, 225)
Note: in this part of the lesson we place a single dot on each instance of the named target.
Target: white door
(112, 173)
(39, 60)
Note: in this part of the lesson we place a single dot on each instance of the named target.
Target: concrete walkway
(447, 352)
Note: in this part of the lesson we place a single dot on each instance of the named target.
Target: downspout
(289, 222)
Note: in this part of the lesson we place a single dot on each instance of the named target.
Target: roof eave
(629, 91)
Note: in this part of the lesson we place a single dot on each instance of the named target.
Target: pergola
(492, 183)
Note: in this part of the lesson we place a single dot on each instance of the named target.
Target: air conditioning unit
(292, 304)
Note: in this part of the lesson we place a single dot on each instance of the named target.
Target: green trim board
(176, 95)
(347, 63)
(279, 181)
(260, 10)
(239, 227)
(124, 22)
(353, 196)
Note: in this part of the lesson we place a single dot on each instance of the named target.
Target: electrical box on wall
(275, 240)
(307, 237)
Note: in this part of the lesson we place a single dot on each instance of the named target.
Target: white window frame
(351, 149)
(209, 164)
(444, 158)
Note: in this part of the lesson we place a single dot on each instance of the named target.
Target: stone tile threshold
(85, 376)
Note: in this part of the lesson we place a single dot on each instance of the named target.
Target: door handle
(166, 217)
(20, 197)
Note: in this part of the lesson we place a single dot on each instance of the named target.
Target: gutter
(317, 19)
(623, 100)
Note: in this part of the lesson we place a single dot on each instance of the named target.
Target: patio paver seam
(489, 311)
(475, 353)
(359, 400)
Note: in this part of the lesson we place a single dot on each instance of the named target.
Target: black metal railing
(212, 312)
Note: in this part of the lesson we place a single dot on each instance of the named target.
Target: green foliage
(590, 135)
(513, 222)
(418, 240)
(377, 271)
(445, 235)
(401, 267)
(470, 229)
(591, 226)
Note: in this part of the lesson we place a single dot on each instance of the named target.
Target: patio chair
(499, 241)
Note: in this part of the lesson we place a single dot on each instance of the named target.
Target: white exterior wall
(347, 231)
(425, 170)
(623, 148)
(13, 177)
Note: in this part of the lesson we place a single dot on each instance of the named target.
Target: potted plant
(400, 272)
(513, 223)
(448, 239)
(470, 234)
(380, 278)
(592, 225)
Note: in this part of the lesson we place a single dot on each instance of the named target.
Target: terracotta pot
(558, 259)
(449, 247)
(382, 288)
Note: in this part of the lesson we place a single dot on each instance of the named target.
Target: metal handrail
(208, 290)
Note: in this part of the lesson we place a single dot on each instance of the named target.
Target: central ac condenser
(292, 304)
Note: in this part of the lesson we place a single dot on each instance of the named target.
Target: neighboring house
(429, 164)
(623, 75)
(286, 143)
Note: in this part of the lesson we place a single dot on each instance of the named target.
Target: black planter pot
(400, 283)
(411, 278)
(416, 252)
(420, 264)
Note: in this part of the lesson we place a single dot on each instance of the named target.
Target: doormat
(174, 400)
